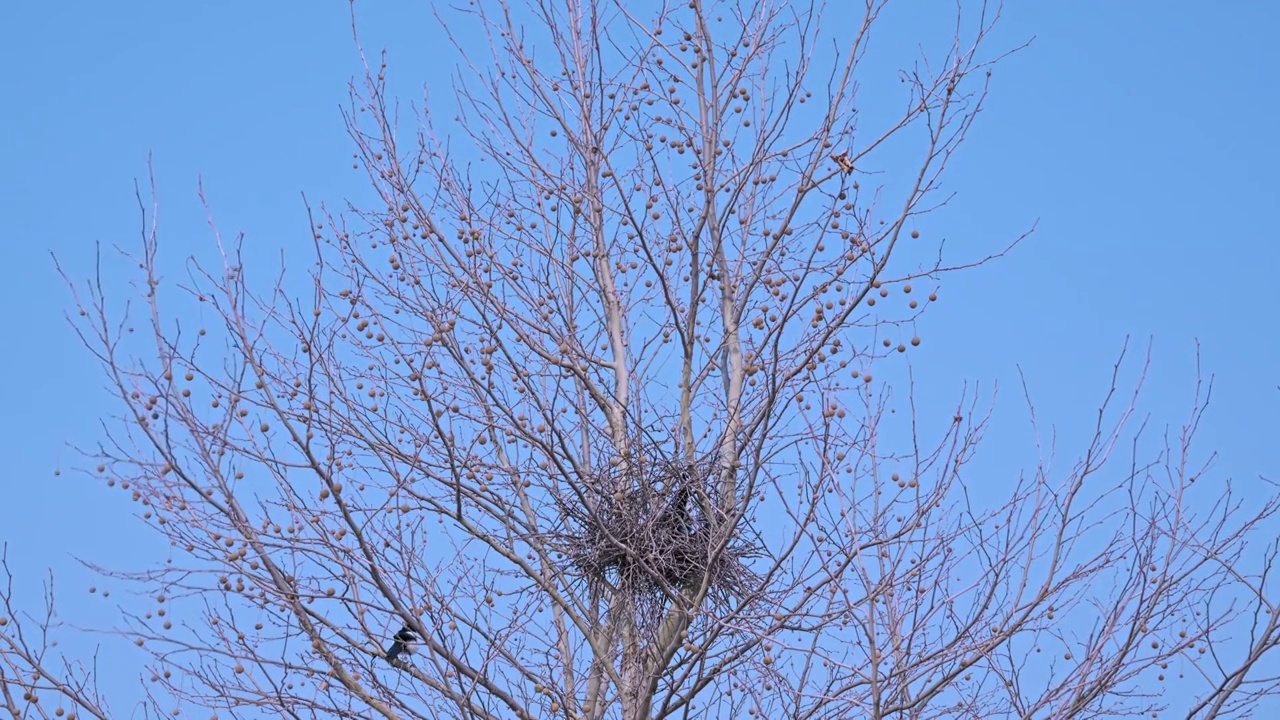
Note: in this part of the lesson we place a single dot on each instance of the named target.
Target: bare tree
(31, 667)
(585, 410)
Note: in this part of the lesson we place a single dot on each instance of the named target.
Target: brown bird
(842, 159)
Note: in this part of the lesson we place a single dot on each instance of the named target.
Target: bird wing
(408, 635)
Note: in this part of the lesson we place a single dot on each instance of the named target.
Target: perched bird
(845, 163)
(406, 641)
(677, 513)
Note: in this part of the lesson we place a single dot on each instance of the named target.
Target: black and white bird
(406, 641)
(677, 513)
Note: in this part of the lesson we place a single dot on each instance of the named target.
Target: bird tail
(394, 652)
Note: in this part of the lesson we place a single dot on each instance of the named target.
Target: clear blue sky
(1140, 135)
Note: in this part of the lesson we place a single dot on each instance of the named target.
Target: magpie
(679, 509)
(406, 641)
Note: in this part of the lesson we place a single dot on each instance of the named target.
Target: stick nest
(653, 530)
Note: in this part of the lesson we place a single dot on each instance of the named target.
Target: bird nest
(653, 530)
